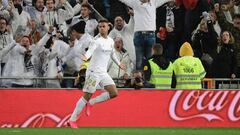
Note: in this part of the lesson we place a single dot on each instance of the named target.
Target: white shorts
(94, 79)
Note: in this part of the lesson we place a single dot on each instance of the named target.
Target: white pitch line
(15, 131)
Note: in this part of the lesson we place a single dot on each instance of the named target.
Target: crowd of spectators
(36, 38)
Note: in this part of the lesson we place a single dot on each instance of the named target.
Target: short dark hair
(35, 1)
(2, 18)
(236, 16)
(158, 49)
(103, 21)
(120, 16)
(87, 6)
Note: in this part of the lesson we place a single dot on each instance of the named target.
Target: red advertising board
(132, 108)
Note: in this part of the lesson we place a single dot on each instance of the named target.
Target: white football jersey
(101, 51)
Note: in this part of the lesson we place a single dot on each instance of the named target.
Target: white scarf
(169, 17)
(237, 9)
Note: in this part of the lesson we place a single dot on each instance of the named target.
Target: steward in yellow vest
(80, 79)
(158, 70)
(188, 70)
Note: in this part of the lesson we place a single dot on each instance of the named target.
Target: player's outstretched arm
(115, 59)
(90, 51)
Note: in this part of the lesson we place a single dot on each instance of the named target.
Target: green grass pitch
(120, 131)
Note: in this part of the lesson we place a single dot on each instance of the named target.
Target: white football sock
(79, 106)
(101, 98)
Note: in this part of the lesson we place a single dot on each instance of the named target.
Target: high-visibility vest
(189, 72)
(162, 79)
(84, 65)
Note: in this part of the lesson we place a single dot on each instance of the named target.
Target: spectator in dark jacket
(171, 18)
(233, 28)
(194, 9)
(205, 42)
(224, 64)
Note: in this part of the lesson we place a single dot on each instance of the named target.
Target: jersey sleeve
(91, 49)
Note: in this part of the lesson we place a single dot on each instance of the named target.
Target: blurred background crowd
(43, 39)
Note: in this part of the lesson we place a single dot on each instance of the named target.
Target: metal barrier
(208, 83)
(221, 83)
(38, 82)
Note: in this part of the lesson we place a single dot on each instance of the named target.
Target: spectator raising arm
(159, 3)
(5, 50)
(129, 3)
(69, 12)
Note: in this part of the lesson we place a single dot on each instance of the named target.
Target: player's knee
(113, 94)
(87, 96)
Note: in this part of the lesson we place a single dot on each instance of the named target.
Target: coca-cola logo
(205, 104)
(40, 120)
